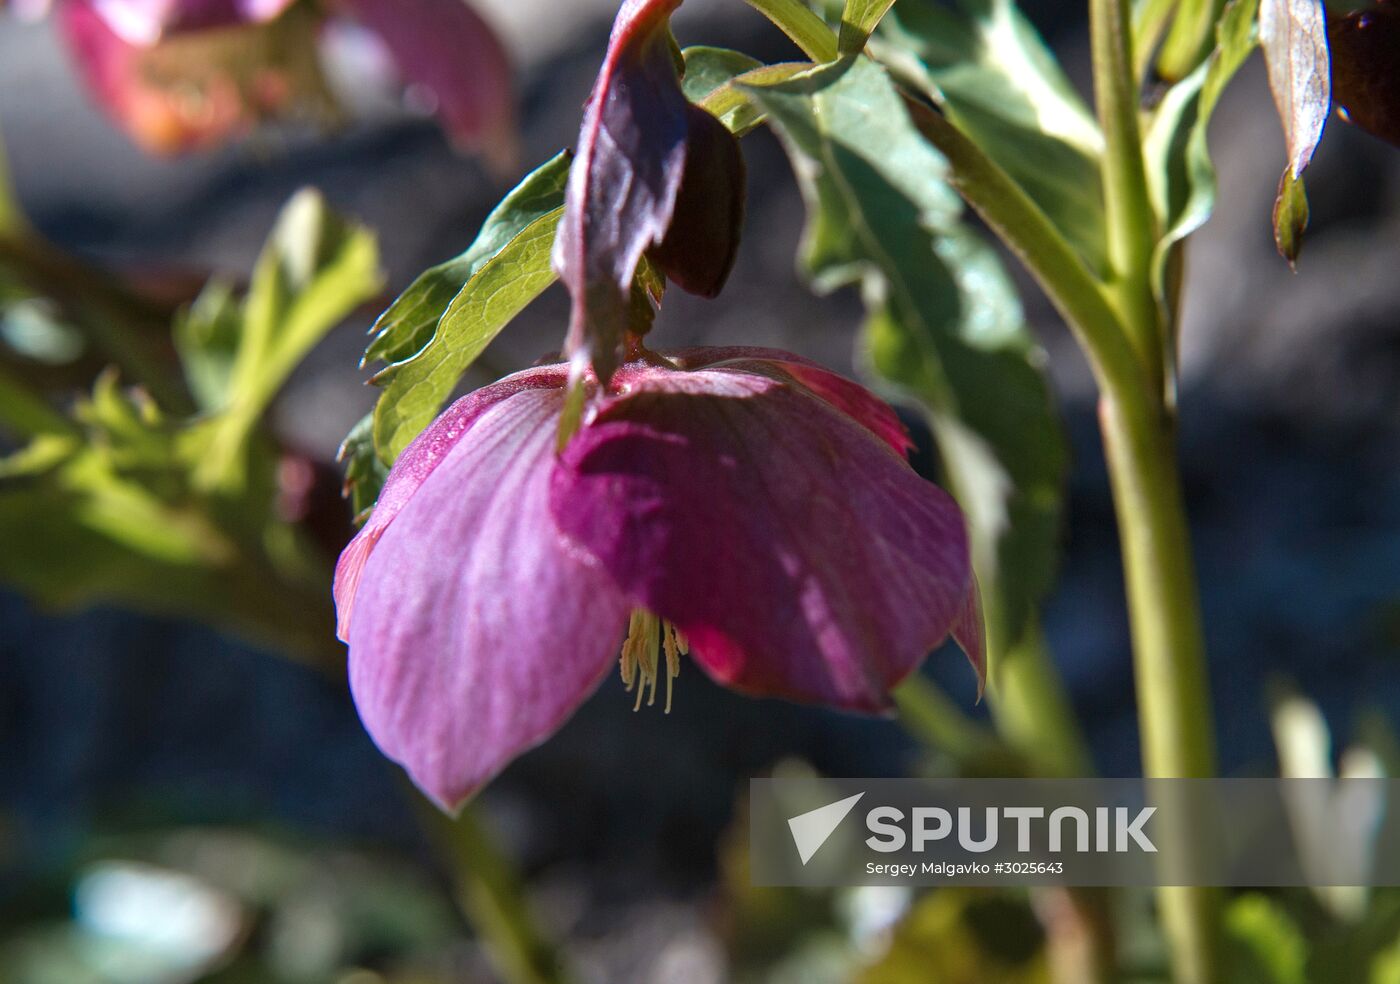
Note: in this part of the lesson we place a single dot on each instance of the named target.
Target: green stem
(808, 31)
(1033, 712)
(939, 723)
(492, 898)
(1168, 647)
(1172, 684)
(1128, 206)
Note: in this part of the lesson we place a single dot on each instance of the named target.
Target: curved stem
(1026, 230)
(936, 721)
(492, 897)
(808, 31)
(1128, 207)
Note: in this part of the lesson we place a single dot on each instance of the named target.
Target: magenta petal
(476, 630)
(412, 469)
(448, 49)
(799, 555)
(850, 398)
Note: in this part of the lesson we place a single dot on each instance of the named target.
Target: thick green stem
(1172, 686)
(808, 31)
(1128, 207)
(1177, 730)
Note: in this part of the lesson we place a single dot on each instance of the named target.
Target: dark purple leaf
(649, 171)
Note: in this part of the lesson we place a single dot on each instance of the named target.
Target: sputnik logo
(811, 830)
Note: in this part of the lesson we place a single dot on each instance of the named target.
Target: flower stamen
(640, 662)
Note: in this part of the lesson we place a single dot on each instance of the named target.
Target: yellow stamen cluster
(647, 637)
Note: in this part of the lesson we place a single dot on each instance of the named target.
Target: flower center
(647, 637)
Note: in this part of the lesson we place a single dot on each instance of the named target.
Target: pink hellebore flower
(743, 502)
(182, 75)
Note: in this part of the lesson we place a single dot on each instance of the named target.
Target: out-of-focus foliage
(965, 936)
(124, 500)
(226, 906)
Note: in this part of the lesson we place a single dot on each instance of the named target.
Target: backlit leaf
(408, 325)
(986, 67)
(416, 389)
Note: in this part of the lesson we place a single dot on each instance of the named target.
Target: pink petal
(447, 48)
(415, 464)
(848, 397)
(476, 630)
(799, 554)
(119, 81)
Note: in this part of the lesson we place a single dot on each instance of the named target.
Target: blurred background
(180, 805)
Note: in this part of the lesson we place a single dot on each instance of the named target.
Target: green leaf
(945, 326)
(500, 289)
(859, 21)
(206, 337)
(315, 270)
(990, 72)
(408, 325)
(708, 69)
(715, 79)
(365, 473)
(1181, 177)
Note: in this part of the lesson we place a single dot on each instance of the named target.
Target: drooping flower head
(654, 175)
(182, 75)
(743, 503)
